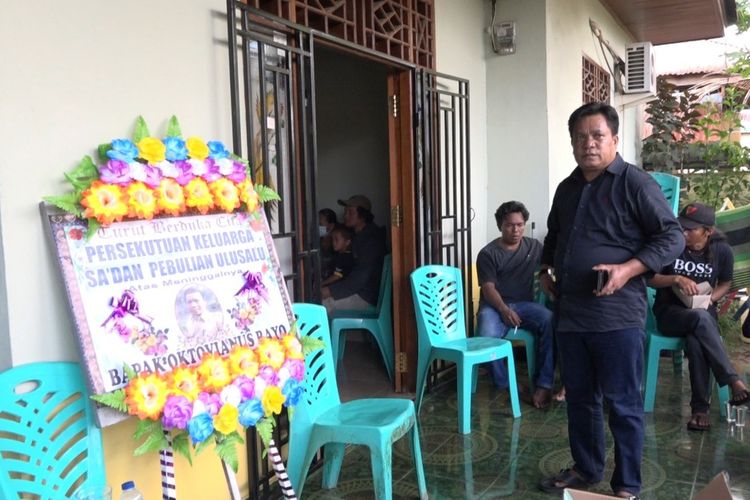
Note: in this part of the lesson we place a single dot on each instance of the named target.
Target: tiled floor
(506, 457)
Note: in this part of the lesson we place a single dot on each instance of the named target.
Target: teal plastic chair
(670, 186)
(320, 419)
(655, 343)
(378, 321)
(49, 443)
(441, 324)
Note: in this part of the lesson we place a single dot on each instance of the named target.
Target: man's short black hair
(510, 207)
(329, 215)
(595, 108)
(346, 232)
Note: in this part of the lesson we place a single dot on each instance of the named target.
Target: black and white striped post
(166, 461)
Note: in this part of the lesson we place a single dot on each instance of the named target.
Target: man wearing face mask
(359, 289)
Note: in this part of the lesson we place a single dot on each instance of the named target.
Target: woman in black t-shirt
(707, 258)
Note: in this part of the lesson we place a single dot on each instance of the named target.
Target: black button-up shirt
(622, 214)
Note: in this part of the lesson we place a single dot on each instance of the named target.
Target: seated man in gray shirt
(505, 269)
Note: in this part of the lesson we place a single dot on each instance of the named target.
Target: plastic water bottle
(130, 492)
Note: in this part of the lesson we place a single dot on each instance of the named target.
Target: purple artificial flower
(217, 150)
(147, 174)
(236, 172)
(269, 375)
(293, 392)
(211, 401)
(123, 150)
(175, 149)
(200, 427)
(296, 368)
(115, 172)
(246, 386)
(184, 172)
(212, 171)
(177, 412)
(250, 412)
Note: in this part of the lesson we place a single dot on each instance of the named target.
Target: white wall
(569, 38)
(460, 37)
(352, 131)
(76, 74)
(517, 100)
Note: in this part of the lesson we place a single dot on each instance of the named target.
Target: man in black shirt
(610, 217)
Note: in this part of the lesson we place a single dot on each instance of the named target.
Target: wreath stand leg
(278, 467)
(166, 459)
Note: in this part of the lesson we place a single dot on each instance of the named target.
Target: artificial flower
(214, 372)
(259, 387)
(115, 172)
(250, 412)
(197, 167)
(217, 150)
(293, 346)
(292, 392)
(175, 149)
(170, 198)
(248, 195)
(145, 396)
(152, 150)
(272, 401)
(198, 196)
(271, 352)
(243, 361)
(104, 202)
(211, 403)
(184, 172)
(177, 412)
(296, 368)
(197, 149)
(226, 420)
(226, 194)
(141, 201)
(231, 394)
(200, 427)
(232, 170)
(211, 172)
(268, 374)
(148, 174)
(246, 385)
(123, 150)
(183, 381)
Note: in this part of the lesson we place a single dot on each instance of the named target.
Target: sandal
(699, 422)
(740, 398)
(567, 478)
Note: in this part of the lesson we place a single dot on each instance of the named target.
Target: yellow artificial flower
(226, 421)
(226, 194)
(272, 400)
(170, 197)
(214, 372)
(293, 347)
(271, 353)
(197, 149)
(104, 202)
(243, 361)
(183, 381)
(198, 196)
(152, 150)
(141, 201)
(145, 396)
(248, 195)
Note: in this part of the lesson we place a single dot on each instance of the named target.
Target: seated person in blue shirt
(505, 269)
(707, 257)
(343, 258)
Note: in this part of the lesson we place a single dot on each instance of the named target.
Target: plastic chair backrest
(650, 318)
(386, 285)
(321, 389)
(439, 298)
(670, 186)
(49, 443)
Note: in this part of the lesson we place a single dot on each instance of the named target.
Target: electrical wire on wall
(492, 38)
(617, 68)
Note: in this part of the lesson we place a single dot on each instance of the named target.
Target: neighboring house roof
(697, 57)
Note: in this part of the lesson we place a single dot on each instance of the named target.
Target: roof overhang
(668, 21)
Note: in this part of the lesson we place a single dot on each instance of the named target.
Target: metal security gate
(443, 173)
(273, 118)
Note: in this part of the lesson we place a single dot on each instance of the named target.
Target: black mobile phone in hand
(602, 276)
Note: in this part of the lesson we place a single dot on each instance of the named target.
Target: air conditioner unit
(639, 68)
